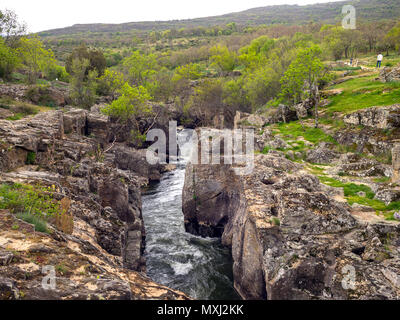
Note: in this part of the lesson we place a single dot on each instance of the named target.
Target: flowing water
(202, 268)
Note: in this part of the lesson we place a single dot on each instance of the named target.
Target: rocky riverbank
(291, 236)
(96, 245)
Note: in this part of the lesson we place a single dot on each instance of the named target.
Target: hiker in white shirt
(379, 62)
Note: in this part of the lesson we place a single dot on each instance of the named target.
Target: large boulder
(210, 197)
(390, 74)
(75, 121)
(323, 154)
(282, 113)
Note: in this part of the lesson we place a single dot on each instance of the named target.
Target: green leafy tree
(191, 71)
(97, 61)
(223, 59)
(161, 86)
(302, 78)
(129, 108)
(35, 57)
(207, 101)
(82, 86)
(392, 39)
(110, 83)
(10, 28)
(140, 67)
(9, 60)
(235, 96)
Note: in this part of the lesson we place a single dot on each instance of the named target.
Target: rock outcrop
(376, 117)
(82, 269)
(52, 95)
(291, 238)
(104, 253)
(390, 74)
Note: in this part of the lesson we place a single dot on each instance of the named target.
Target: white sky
(43, 15)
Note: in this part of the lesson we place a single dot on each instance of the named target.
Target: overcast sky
(42, 15)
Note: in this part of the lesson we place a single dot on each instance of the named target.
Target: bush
(35, 200)
(9, 60)
(30, 158)
(39, 223)
(40, 95)
(57, 72)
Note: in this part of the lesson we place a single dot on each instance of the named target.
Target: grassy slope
(363, 93)
(360, 93)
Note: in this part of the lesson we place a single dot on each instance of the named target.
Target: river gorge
(200, 267)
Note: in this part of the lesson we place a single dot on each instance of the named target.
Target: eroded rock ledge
(292, 237)
(102, 258)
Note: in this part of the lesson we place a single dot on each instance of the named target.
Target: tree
(393, 37)
(207, 101)
(302, 78)
(82, 86)
(97, 61)
(162, 85)
(191, 71)
(9, 60)
(35, 57)
(110, 83)
(140, 67)
(10, 28)
(235, 96)
(223, 59)
(129, 108)
(261, 85)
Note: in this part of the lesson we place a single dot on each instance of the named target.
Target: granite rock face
(390, 74)
(82, 269)
(290, 237)
(104, 189)
(376, 117)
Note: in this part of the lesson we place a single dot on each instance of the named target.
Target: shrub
(30, 158)
(35, 200)
(39, 223)
(8, 61)
(40, 95)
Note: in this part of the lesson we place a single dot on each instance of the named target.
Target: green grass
(18, 108)
(363, 93)
(350, 189)
(381, 180)
(275, 222)
(346, 68)
(294, 130)
(39, 223)
(351, 192)
(17, 116)
(31, 202)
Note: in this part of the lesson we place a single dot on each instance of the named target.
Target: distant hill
(371, 10)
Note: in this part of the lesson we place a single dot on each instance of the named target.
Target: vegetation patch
(33, 204)
(354, 194)
(295, 129)
(362, 93)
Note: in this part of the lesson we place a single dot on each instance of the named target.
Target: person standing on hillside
(379, 62)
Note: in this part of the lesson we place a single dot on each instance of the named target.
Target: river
(201, 268)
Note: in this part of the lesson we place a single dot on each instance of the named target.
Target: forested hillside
(371, 10)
